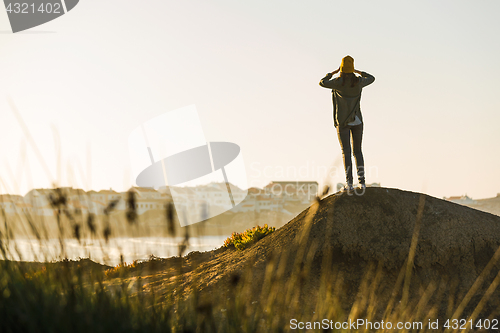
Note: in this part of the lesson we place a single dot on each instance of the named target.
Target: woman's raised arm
(326, 82)
(366, 78)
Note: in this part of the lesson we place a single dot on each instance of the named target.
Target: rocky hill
(359, 242)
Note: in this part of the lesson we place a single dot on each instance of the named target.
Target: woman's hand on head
(336, 71)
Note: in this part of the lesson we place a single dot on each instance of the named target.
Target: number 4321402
(25, 8)
(480, 324)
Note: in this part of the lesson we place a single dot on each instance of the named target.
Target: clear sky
(90, 77)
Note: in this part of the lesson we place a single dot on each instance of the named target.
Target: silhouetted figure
(347, 118)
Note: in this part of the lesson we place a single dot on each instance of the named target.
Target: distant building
(306, 191)
(254, 191)
(148, 199)
(74, 194)
(147, 193)
(40, 202)
(192, 202)
(110, 195)
(9, 203)
(77, 205)
(463, 200)
(96, 196)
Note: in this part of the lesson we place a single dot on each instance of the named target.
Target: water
(132, 248)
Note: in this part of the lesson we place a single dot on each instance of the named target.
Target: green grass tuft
(250, 236)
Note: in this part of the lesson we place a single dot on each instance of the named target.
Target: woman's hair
(349, 77)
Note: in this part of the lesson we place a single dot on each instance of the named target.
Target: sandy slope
(341, 237)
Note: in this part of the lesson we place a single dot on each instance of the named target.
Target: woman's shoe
(347, 188)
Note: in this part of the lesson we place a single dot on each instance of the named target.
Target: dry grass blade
(131, 213)
(185, 242)
(111, 206)
(91, 223)
(30, 139)
(483, 301)
(169, 215)
(475, 287)
(413, 247)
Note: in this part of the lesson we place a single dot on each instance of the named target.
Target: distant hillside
(490, 205)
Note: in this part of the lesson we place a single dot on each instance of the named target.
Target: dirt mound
(346, 235)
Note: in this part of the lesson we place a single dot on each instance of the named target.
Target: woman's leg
(357, 136)
(344, 134)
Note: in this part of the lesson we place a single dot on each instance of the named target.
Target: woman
(346, 95)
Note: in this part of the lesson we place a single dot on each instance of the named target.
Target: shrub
(121, 268)
(243, 240)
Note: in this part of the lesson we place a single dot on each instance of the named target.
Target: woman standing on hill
(347, 118)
